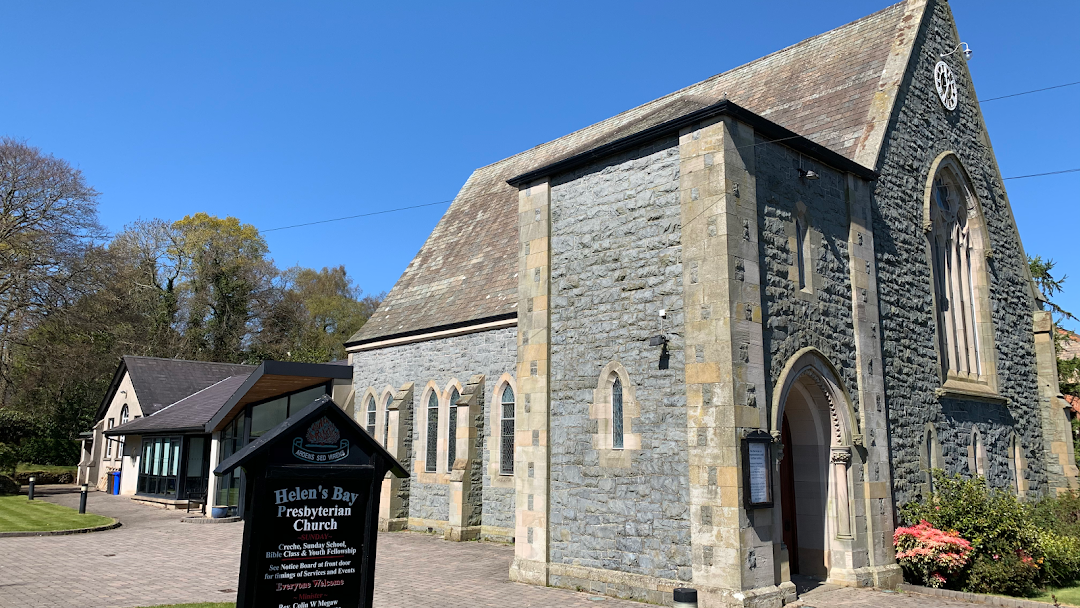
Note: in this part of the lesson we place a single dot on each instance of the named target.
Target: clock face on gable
(946, 85)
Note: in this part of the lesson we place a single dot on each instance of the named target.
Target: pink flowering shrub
(930, 555)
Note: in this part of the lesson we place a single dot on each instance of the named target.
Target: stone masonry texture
(491, 353)
(821, 315)
(923, 130)
(615, 262)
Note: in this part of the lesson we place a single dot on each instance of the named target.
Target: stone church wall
(492, 353)
(922, 131)
(615, 262)
(820, 315)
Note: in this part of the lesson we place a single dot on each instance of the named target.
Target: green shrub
(44, 450)
(8, 485)
(1015, 574)
(995, 522)
(1061, 558)
(9, 459)
(1060, 514)
(44, 477)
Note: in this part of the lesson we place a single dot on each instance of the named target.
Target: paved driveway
(155, 559)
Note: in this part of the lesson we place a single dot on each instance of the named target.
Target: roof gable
(188, 414)
(160, 382)
(835, 89)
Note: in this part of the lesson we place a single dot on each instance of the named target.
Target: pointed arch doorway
(814, 480)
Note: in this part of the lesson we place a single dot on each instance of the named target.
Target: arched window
(1016, 463)
(506, 438)
(371, 416)
(451, 431)
(802, 254)
(120, 442)
(931, 458)
(956, 247)
(616, 414)
(978, 454)
(386, 420)
(432, 433)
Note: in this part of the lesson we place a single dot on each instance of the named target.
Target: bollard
(82, 499)
(685, 597)
(30, 493)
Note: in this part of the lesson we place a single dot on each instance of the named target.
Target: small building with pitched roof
(165, 423)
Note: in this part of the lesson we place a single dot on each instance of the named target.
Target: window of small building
(506, 438)
(371, 411)
(431, 460)
(266, 416)
(451, 431)
(617, 414)
(120, 440)
(160, 467)
(109, 441)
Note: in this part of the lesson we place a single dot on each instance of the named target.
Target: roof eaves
(762, 125)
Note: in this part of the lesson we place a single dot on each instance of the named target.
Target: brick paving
(155, 559)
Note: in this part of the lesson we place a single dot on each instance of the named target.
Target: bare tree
(48, 222)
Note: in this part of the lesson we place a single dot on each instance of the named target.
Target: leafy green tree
(1050, 286)
(314, 314)
(48, 223)
(228, 281)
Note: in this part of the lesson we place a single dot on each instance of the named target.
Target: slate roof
(188, 414)
(834, 89)
(159, 382)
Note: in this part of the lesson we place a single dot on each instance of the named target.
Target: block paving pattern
(155, 559)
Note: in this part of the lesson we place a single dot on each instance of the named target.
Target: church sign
(311, 504)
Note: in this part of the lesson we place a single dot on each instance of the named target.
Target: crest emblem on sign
(321, 444)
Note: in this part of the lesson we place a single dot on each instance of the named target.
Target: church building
(720, 338)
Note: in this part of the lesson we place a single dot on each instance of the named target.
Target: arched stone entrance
(813, 422)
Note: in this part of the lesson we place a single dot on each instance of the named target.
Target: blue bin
(114, 483)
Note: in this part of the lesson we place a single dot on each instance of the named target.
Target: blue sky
(280, 113)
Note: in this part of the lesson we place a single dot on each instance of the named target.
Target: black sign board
(311, 503)
(757, 470)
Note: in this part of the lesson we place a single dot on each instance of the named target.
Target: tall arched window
(616, 414)
(371, 416)
(124, 414)
(1016, 463)
(930, 452)
(386, 420)
(957, 250)
(432, 433)
(978, 454)
(451, 431)
(506, 438)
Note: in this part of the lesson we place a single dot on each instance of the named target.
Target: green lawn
(1066, 595)
(44, 468)
(17, 514)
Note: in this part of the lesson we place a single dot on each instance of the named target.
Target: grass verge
(17, 514)
(25, 467)
(1069, 596)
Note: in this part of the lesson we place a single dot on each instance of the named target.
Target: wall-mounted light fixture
(808, 174)
(967, 51)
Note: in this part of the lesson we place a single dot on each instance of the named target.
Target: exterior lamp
(967, 51)
(808, 174)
